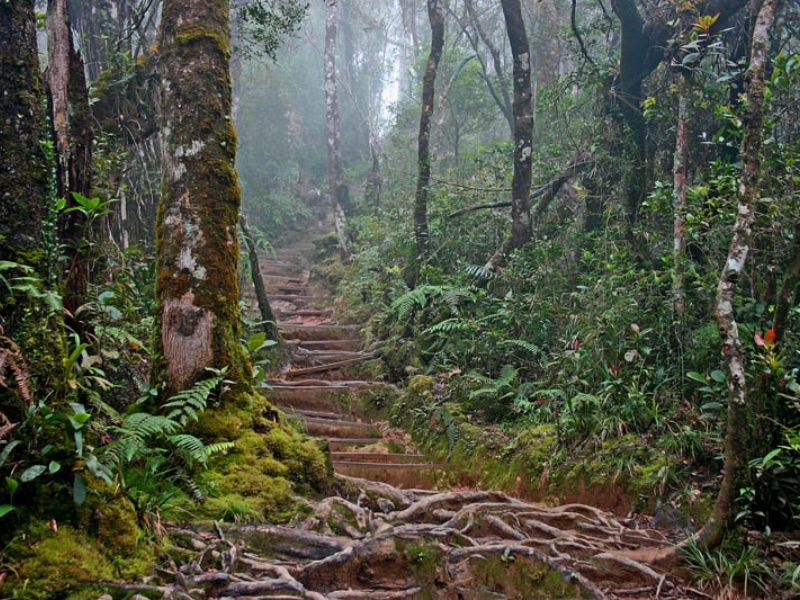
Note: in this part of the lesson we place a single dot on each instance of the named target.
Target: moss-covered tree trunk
(23, 168)
(337, 188)
(198, 321)
(436, 19)
(523, 123)
(71, 121)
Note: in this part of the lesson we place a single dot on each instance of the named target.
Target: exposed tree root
(378, 542)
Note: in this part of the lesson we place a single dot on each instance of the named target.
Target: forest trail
(329, 366)
(385, 532)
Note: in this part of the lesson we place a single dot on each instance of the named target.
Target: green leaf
(54, 466)
(79, 490)
(718, 376)
(5, 509)
(695, 376)
(11, 485)
(32, 473)
(7, 451)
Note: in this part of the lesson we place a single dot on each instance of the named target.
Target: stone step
(308, 312)
(294, 298)
(305, 413)
(419, 476)
(337, 429)
(339, 444)
(305, 358)
(312, 399)
(285, 288)
(282, 279)
(375, 457)
(326, 331)
(351, 345)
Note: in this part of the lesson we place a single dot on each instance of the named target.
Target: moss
(260, 476)
(191, 34)
(376, 401)
(54, 564)
(522, 577)
(425, 560)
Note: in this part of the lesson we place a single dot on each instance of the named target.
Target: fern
(190, 449)
(141, 433)
(525, 345)
(186, 405)
(480, 272)
(450, 326)
(11, 358)
(420, 296)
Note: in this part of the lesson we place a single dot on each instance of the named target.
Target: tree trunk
(337, 188)
(23, 169)
(736, 436)
(641, 51)
(198, 322)
(269, 324)
(436, 19)
(523, 123)
(71, 121)
(679, 168)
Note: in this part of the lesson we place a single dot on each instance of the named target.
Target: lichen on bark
(23, 172)
(198, 316)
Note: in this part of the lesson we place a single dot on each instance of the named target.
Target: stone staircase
(328, 363)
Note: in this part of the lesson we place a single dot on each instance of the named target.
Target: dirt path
(386, 532)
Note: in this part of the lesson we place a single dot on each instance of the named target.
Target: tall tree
(198, 322)
(436, 19)
(23, 169)
(733, 356)
(523, 123)
(71, 121)
(337, 188)
(643, 43)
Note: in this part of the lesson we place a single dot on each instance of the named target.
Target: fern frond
(480, 272)
(212, 449)
(525, 345)
(191, 449)
(187, 404)
(451, 325)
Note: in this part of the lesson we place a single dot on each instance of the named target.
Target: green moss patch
(55, 564)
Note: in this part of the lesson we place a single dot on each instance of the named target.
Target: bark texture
(337, 188)
(71, 121)
(523, 123)
(198, 317)
(679, 167)
(23, 169)
(436, 19)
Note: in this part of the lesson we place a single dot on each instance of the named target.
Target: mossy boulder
(259, 477)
